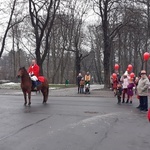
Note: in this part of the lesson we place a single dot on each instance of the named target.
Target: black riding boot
(127, 101)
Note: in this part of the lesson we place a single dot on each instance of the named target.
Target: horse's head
(21, 72)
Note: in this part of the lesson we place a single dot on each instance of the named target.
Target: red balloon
(116, 66)
(114, 75)
(132, 75)
(130, 67)
(146, 56)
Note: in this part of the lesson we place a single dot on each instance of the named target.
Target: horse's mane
(24, 69)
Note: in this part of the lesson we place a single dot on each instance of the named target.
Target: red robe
(115, 82)
(34, 70)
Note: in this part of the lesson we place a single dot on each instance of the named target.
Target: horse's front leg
(29, 98)
(25, 98)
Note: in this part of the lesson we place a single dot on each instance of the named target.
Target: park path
(96, 90)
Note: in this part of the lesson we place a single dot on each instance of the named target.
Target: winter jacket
(82, 83)
(125, 83)
(143, 86)
(115, 82)
(130, 89)
(79, 79)
(119, 91)
(87, 78)
(34, 70)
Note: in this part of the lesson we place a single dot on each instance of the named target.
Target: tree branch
(8, 27)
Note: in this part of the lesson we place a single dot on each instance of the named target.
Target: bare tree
(9, 25)
(74, 40)
(97, 48)
(105, 9)
(42, 15)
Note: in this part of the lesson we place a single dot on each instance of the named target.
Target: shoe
(130, 102)
(35, 88)
(123, 101)
(119, 102)
(127, 101)
(145, 110)
(141, 109)
(138, 107)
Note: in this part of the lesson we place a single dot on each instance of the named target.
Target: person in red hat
(33, 71)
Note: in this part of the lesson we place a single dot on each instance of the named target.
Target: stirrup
(34, 89)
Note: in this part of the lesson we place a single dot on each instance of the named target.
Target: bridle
(20, 72)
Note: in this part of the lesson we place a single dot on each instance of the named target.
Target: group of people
(83, 82)
(124, 86)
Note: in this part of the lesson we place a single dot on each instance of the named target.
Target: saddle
(41, 79)
(37, 83)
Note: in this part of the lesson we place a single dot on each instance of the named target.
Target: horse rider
(33, 71)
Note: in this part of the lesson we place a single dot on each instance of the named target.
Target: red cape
(41, 78)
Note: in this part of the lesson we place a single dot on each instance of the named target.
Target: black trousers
(143, 102)
(34, 84)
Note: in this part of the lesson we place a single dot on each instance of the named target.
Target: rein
(25, 76)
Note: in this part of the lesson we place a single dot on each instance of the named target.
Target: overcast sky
(5, 10)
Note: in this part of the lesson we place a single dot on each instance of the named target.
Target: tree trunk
(107, 52)
(78, 63)
(8, 28)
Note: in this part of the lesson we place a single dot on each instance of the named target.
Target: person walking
(125, 83)
(142, 89)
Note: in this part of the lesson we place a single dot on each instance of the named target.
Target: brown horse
(26, 86)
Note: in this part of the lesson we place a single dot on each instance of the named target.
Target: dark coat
(78, 80)
(130, 89)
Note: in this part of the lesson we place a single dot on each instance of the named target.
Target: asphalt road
(72, 123)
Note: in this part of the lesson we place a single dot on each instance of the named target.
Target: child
(130, 90)
(125, 84)
(115, 83)
(119, 92)
(82, 82)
